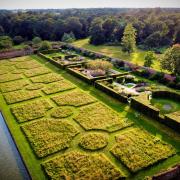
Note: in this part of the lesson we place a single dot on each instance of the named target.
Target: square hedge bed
(138, 149)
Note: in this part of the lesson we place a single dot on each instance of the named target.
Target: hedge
(99, 85)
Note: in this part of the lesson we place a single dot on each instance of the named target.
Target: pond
(166, 105)
(11, 164)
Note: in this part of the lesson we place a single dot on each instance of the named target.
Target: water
(11, 164)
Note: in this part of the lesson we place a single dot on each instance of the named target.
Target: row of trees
(155, 28)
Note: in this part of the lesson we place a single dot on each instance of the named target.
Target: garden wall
(15, 53)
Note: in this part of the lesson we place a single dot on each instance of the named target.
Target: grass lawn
(116, 52)
(49, 129)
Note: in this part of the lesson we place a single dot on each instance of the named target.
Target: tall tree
(149, 59)
(171, 59)
(129, 39)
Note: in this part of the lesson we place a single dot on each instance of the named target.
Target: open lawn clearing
(31, 110)
(75, 98)
(76, 165)
(47, 78)
(49, 136)
(138, 149)
(99, 116)
(21, 95)
(116, 51)
(59, 86)
(13, 86)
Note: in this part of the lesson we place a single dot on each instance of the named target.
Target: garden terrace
(99, 117)
(58, 136)
(58, 86)
(144, 104)
(81, 166)
(93, 141)
(31, 110)
(138, 149)
(83, 73)
(63, 59)
(75, 98)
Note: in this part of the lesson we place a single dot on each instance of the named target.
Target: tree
(129, 39)
(171, 59)
(96, 32)
(5, 42)
(68, 38)
(36, 40)
(45, 45)
(18, 40)
(149, 59)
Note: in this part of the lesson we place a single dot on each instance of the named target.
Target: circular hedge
(93, 141)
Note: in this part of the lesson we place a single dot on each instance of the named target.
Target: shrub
(59, 86)
(75, 98)
(18, 40)
(45, 45)
(76, 165)
(138, 149)
(36, 40)
(5, 42)
(99, 64)
(93, 141)
(48, 136)
(31, 110)
(99, 116)
(62, 112)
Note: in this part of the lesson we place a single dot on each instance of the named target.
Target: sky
(62, 4)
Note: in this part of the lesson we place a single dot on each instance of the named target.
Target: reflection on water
(11, 164)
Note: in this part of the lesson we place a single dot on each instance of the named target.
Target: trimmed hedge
(99, 85)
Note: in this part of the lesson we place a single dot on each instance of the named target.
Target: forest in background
(155, 28)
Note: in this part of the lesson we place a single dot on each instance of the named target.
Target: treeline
(155, 28)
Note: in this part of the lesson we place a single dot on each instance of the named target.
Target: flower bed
(75, 98)
(47, 78)
(31, 110)
(48, 136)
(138, 149)
(62, 112)
(9, 77)
(21, 95)
(58, 86)
(93, 141)
(99, 117)
(30, 64)
(36, 71)
(14, 85)
(81, 166)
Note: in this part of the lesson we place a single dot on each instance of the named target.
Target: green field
(116, 51)
(56, 119)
